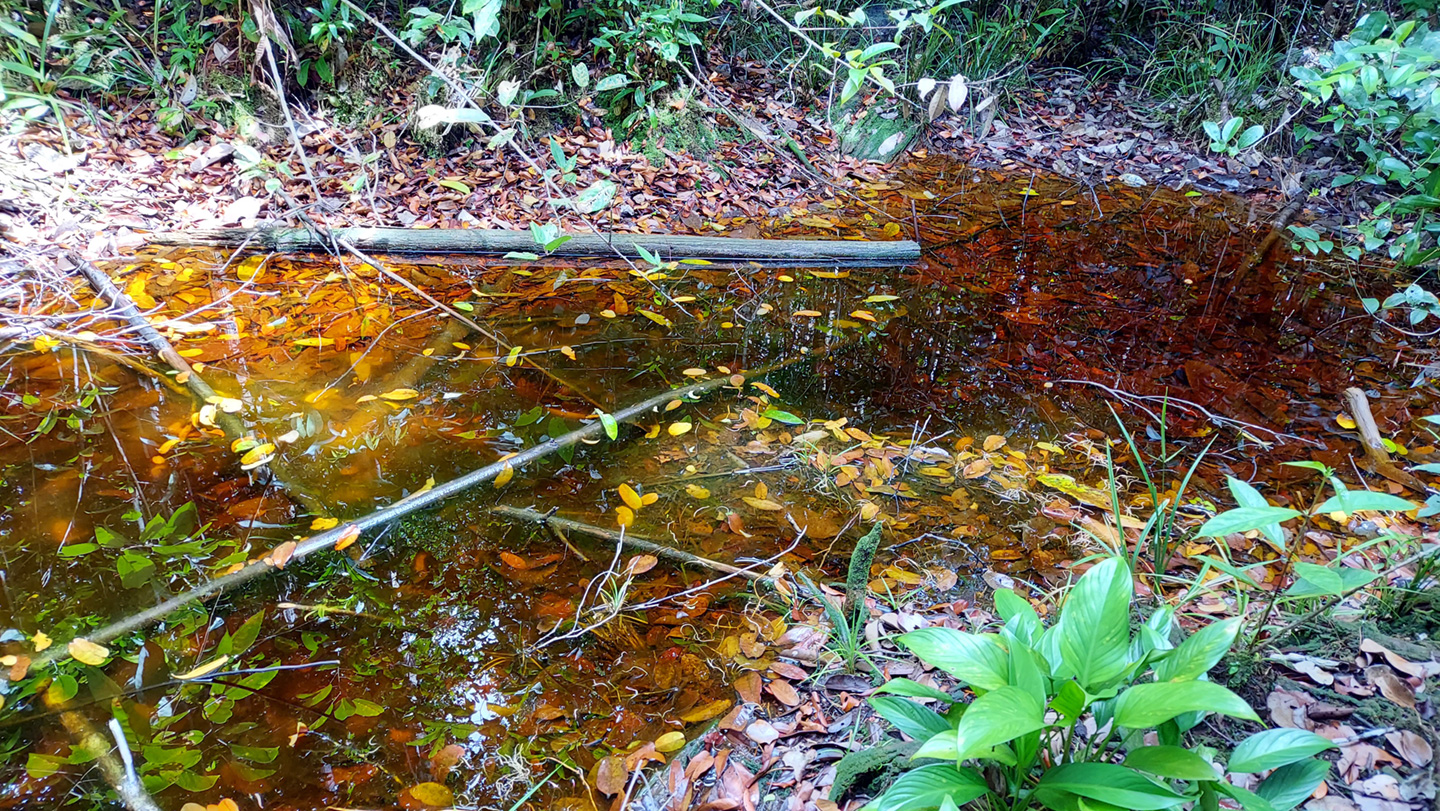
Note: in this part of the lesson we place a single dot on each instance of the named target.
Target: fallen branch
(120, 775)
(633, 541)
(1377, 458)
(477, 241)
(234, 429)
(345, 534)
(1278, 228)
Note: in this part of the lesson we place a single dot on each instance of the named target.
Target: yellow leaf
(649, 498)
(830, 274)
(208, 667)
(1095, 497)
(891, 230)
(696, 491)
(706, 711)
(978, 468)
(567, 352)
(934, 472)
(41, 641)
(993, 442)
(257, 454)
(624, 516)
(808, 313)
(136, 291)
(87, 652)
(863, 315)
(1046, 446)
(433, 793)
(192, 352)
(656, 317)
(505, 476)
(400, 394)
(45, 343)
(761, 490)
(317, 342)
(693, 372)
(1345, 421)
(320, 524)
(630, 497)
(512, 356)
(868, 510)
(674, 404)
(678, 428)
(816, 222)
(764, 504)
(902, 576)
(880, 299)
(763, 387)
(670, 742)
(249, 269)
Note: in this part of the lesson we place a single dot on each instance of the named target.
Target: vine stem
(1285, 567)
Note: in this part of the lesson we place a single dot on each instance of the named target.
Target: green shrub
(1021, 742)
(1380, 96)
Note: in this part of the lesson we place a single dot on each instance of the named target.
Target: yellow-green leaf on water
(695, 262)
(464, 306)
(432, 793)
(696, 491)
(1083, 493)
(87, 652)
(656, 317)
(400, 394)
(764, 504)
(679, 428)
(879, 299)
(670, 742)
(513, 356)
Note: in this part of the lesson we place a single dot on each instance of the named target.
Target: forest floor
(776, 747)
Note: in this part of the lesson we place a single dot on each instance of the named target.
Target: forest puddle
(445, 653)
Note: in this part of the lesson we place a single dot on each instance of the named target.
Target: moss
(875, 765)
(679, 124)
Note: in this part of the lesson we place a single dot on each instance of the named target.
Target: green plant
(1229, 139)
(847, 633)
(642, 41)
(1380, 105)
(35, 67)
(1022, 742)
(319, 42)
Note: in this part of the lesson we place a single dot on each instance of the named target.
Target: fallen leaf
(41, 640)
(87, 652)
(610, 775)
(764, 504)
(785, 692)
(748, 686)
(347, 537)
(432, 794)
(696, 491)
(321, 524)
(678, 428)
(978, 468)
(630, 497)
(1411, 746)
(705, 712)
(280, 555)
(762, 732)
(1391, 685)
(640, 564)
(397, 395)
(670, 742)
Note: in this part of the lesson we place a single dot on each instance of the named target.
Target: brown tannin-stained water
(446, 657)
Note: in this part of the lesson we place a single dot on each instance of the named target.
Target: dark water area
(447, 649)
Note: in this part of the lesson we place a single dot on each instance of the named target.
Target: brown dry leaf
(785, 692)
(762, 732)
(748, 686)
(640, 564)
(993, 442)
(1396, 661)
(432, 794)
(446, 759)
(789, 671)
(699, 764)
(280, 555)
(646, 753)
(978, 468)
(1411, 746)
(1391, 685)
(610, 775)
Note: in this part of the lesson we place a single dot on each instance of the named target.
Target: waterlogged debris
(640, 564)
(764, 504)
(656, 317)
(705, 712)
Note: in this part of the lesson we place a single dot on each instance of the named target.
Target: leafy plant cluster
(1380, 100)
(1062, 713)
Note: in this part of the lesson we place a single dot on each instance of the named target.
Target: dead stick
(124, 780)
(1377, 458)
(105, 287)
(346, 533)
(1267, 245)
(632, 541)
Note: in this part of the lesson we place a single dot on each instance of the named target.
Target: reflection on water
(1025, 288)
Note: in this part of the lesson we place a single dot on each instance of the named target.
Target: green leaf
(1020, 618)
(1175, 762)
(41, 766)
(75, 550)
(1244, 519)
(1148, 705)
(1290, 785)
(580, 72)
(1316, 580)
(1094, 627)
(524, 255)
(1250, 137)
(612, 428)
(595, 197)
(976, 659)
(920, 723)
(257, 754)
(1107, 783)
(614, 81)
(1247, 496)
(456, 185)
(1274, 748)
(782, 416)
(906, 687)
(997, 717)
(1352, 501)
(1249, 800)
(929, 786)
(1323, 578)
(1070, 700)
(243, 637)
(366, 707)
(1197, 654)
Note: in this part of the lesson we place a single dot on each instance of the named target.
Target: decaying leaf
(640, 564)
(87, 652)
(433, 794)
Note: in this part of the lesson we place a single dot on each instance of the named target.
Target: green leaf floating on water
(782, 416)
(1083, 493)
